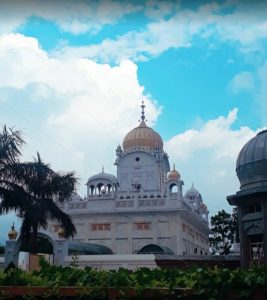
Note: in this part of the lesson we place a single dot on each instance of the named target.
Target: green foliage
(202, 283)
(224, 227)
(18, 277)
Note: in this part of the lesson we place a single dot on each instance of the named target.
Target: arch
(254, 229)
(92, 189)
(173, 188)
(99, 188)
(44, 239)
(81, 248)
(109, 188)
(155, 249)
(45, 244)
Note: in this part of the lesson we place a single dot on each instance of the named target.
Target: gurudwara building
(143, 208)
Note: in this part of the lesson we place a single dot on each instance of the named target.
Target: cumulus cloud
(207, 157)
(73, 111)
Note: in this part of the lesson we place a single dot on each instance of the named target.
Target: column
(264, 214)
(11, 253)
(60, 251)
(244, 255)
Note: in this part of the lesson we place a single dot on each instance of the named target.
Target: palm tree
(31, 189)
(10, 191)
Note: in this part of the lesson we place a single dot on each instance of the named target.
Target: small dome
(142, 136)
(174, 175)
(192, 192)
(251, 165)
(61, 232)
(103, 176)
(12, 235)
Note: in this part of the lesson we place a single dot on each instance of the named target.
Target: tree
(31, 188)
(224, 227)
(10, 190)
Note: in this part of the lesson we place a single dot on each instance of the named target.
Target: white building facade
(143, 206)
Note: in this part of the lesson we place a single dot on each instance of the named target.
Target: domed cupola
(103, 176)
(142, 136)
(193, 192)
(174, 175)
(251, 165)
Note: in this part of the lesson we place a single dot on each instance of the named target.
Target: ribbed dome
(142, 136)
(251, 165)
(174, 175)
(103, 176)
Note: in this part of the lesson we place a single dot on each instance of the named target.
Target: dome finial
(103, 169)
(174, 166)
(12, 235)
(143, 111)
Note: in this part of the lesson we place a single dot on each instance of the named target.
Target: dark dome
(251, 165)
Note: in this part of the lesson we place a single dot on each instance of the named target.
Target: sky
(73, 75)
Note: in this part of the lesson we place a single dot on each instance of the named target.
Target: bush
(201, 282)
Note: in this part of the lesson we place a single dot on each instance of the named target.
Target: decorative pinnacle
(173, 166)
(143, 111)
(103, 169)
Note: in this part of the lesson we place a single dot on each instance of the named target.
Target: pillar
(60, 251)
(264, 214)
(11, 253)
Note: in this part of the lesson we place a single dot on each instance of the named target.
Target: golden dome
(174, 175)
(142, 136)
(61, 232)
(12, 235)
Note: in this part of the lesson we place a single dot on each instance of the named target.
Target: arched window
(109, 188)
(99, 188)
(92, 189)
(173, 188)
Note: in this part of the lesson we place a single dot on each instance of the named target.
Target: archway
(155, 249)
(45, 248)
(173, 188)
(81, 248)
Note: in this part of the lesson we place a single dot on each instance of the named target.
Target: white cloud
(72, 16)
(207, 157)
(172, 26)
(243, 25)
(139, 45)
(242, 82)
(73, 111)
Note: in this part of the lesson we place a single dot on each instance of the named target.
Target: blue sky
(73, 75)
